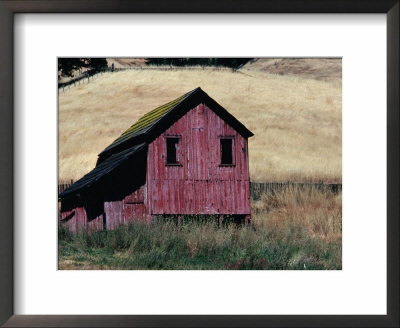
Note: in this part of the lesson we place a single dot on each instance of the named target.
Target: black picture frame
(10, 7)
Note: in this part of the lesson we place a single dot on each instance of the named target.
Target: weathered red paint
(130, 208)
(198, 185)
(77, 219)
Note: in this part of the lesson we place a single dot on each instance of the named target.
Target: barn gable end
(200, 184)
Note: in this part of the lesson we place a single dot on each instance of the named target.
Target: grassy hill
(126, 62)
(296, 121)
(322, 69)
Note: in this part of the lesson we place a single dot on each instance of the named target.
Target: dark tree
(225, 62)
(67, 65)
(97, 64)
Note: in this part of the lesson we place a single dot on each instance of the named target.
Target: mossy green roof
(147, 125)
(147, 121)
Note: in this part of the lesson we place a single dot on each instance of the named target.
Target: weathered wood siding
(98, 214)
(200, 185)
(75, 219)
(132, 207)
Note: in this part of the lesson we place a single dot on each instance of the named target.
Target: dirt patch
(68, 264)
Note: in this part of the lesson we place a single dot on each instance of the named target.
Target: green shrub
(64, 233)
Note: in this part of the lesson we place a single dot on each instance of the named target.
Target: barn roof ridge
(148, 122)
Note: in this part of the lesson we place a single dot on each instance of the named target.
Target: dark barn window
(226, 151)
(172, 150)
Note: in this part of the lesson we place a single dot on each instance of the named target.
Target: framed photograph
(240, 138)
(188, 186)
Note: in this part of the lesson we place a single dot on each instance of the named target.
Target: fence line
(64, 186)
(259, 188)
(85, 76)
(89, 75)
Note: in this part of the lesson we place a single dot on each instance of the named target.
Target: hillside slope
(297, 123)
(322, 69)
(126, 62)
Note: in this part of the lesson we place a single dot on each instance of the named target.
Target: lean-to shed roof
(102, 169)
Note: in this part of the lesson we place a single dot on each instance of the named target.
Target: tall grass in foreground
(293, 229)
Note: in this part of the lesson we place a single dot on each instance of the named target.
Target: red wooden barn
(187, 157)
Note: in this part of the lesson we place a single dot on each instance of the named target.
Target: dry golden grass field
(323, 69)
(126, 62)
(296, 121)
